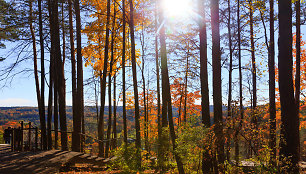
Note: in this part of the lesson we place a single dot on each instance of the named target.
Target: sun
(176, 8)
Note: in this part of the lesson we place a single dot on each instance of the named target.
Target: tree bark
(38, 95)
(55, 109)
(229, 100)
(272, 107)
(144, 89)
(50, 100)
(241, 109)
(115, 117)
(80, 98)
(109, 125)
(133, 54)
(166, 96)
(59, 71)
(203, 66)
(103, 85)
(254, 91)
(123, 73)
(42, 61)
(298, 55)
(186, 85)
(75, 137)
(159, 131)
(217, 93)
(289, 145)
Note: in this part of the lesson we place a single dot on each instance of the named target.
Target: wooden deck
(52, 161)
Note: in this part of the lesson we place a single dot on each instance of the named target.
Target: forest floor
(57, 161)
(52, 161)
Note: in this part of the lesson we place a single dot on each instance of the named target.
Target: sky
(21, 91)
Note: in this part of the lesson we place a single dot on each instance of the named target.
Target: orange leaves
(303, 65)
(179, 95)
(303, 107)
(95, 32)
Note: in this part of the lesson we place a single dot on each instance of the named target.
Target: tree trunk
(50, 100)
(241, 109)
(159, 131)
(206, 159)
(109, 124)
(217, 93)
(109, 127)
(203, 66)
(289, 145)
(254, 91)
(101, 119)
(186, 85)
(80, 98)
(115, 117)
(76, 127)
(59, 72)
(55, 109)
(298, 55)
(103, 85)
(133, 54)
(42, 61)
(180, 105)
(42, 120)
(123, 73)
(229, 100)
(272, 107)
(142, 41)
(166, 96)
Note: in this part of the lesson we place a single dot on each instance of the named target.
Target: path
(43, 162)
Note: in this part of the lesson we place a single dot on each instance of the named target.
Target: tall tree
(103, 84)
(166, 96)
(133, 54)
(298, 55)
(42, 61)
(217, 93)
(50, 101)
(114, 144)
(145, 108)
(229, 100)
(38, 94)
(241, 109)
(55, 115)
(203, 66)
(159, 155)
(59, 73)
(204, 79)
(254, 90)
(186, 84)
(289, 144)
(272, 106)
(230, 70)
(76, 121)
(79, 98)
(123, 72)
(111, 64)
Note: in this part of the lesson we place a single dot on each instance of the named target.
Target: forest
(169, 86)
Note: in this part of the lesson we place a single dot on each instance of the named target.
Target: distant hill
(31, 113)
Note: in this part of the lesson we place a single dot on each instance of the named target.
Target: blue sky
(21, 91)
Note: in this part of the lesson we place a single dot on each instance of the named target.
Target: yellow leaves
(95, 32)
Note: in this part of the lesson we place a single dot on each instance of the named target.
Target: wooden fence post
(36, 136)
(18, 138)
(13, 140)
(21, 136)
(29, 136)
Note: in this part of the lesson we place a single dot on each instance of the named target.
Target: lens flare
(177, 8)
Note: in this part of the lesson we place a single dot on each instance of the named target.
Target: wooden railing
(33, 142)
(18, 142)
